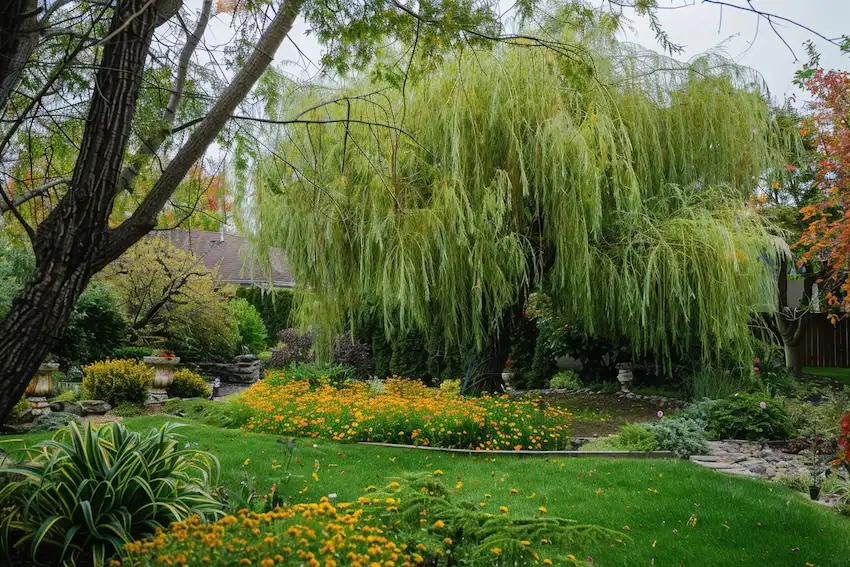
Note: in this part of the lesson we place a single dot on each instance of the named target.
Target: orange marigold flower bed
(405, 412)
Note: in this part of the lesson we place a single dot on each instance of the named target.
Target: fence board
(825, 344)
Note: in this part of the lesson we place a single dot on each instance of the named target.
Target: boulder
(67, 407)
(97, 407)
(246, 372)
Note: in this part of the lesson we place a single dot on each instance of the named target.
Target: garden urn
(625, 375)
(41, 385)
(163, 378)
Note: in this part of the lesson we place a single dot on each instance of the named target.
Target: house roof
(233, 255)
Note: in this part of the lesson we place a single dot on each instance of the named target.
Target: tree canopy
(617, 183)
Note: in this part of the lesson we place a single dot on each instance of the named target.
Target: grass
(840, 374)
(739, 521)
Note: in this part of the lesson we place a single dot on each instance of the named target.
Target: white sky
(698, 27)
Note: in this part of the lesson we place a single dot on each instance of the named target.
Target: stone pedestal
(625, 375)
(39, 406)
(156, 396)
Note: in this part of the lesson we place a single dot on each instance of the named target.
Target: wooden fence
(825, 344)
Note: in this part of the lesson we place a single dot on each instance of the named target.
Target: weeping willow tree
(618, 186)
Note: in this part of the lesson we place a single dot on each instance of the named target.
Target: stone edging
(525, 453)
(663, 400)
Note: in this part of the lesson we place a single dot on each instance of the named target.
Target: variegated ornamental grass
(406, 412)
(82, 495)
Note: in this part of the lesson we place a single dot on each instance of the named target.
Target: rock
(96, 407)
(245, 358)
(705, 458)
(239, 372)
(759, 469)
(67, 407)
(27, 416)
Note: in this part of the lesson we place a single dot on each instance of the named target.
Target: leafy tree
(252, 331)
(273, 305)
(618, 188)
(96, 327)
(826, 238)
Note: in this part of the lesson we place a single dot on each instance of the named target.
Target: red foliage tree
(826, 239)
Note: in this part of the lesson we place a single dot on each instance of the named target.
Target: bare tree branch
(149, 147)
(31, 194)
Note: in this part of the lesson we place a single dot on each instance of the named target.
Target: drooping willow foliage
(619, 188)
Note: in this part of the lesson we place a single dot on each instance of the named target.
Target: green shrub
(635, 437)
(319, 373)
(97, 326)
(565, 380)
(274, 306)
(54, 420)
(716, 382)
(742, 417)
(682, 436)
(203, 332)
(134, 352)
(87, 493)
(19, 408)
(188, 384)
(118, 381)
(66, 396)
(252, 330)
(452, 386)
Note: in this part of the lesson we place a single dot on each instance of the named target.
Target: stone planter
(625, 375)
(41, 385)
(163, 378)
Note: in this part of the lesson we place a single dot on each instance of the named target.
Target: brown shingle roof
(233, 255)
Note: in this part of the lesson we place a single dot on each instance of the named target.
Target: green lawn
(739, 522)
(840, 374)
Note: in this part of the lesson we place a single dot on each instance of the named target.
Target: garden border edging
(527, 453)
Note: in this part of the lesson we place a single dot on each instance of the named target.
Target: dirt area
(596, 415)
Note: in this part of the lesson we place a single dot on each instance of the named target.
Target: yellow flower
(267, 562)
(525, 542)
(571, 557)
(459, 485)
(497, 550)
(439, 524)
(438, 472)
(247, 462)
(503, 509)
(547, 561)
(447, 540)
(514, 491)
(542, 509)
(394, 485)
(371, 487)
(482, 504)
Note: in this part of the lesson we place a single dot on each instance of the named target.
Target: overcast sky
(698, 27)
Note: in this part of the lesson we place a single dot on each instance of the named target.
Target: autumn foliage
(826, 240)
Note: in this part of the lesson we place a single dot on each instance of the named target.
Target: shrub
(54, 420)
(127, 410)
(352, 353)
(252, 330)
(203, 331)
(66, 396)
(316, 373)
(742, 417)
(405, 412)
(134, 352)
(385, 525)
(188, 384)
(451, 386)
(635, 437)
(565, 380)
(294, 348)
(19, 408)
(87, 493)
(682, 436)
(118, 381)
(96, 326)
(274, 306)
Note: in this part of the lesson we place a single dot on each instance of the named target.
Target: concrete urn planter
(41, 385)
(164, 377)
(625, 375)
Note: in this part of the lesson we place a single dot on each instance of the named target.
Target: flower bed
(405, 412)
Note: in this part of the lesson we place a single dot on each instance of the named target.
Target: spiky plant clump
(621, 192)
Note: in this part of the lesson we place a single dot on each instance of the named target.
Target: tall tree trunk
(18, 39)
(75, 241)
(484, 369)
(791, 322)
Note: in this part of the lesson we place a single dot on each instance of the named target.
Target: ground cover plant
(669, 512)
(406, 411)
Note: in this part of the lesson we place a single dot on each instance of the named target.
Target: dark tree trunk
(18, 39)
(75, 241)
(791, 322)
(76, 230)
(484, 369)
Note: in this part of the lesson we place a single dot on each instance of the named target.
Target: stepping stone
(705, 459)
